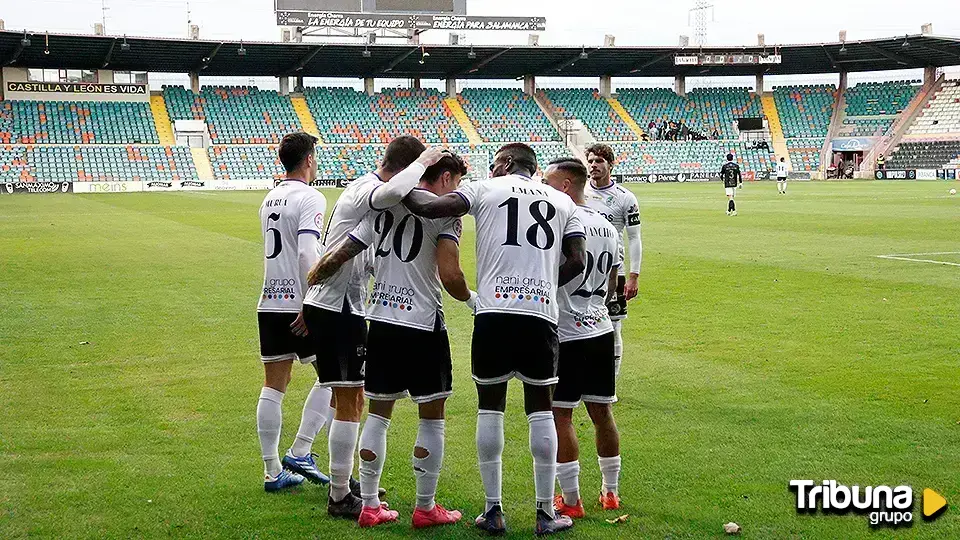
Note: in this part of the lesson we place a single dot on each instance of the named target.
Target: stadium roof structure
(223, 58)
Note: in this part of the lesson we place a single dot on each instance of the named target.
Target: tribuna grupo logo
(885, 505)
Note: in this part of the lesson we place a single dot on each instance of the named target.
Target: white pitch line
(930, 253)
(896, 258)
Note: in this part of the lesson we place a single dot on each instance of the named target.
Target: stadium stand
(704, 110)
(873, 107)
(341, 162)
(506, 115)
(344, 115)
(805, 153)
(925, 155)
(942, 114)
(661, 157)
(76, 122)
(235, 114)
(95, 163)
(588, 106)
(805, 111)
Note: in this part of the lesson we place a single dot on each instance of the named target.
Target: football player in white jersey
(523, 230)
(618, 205)
(334, 313)
(291, 218)
(413, 257)
(586, 368)
(782, 173)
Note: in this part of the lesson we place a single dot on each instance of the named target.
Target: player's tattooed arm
(428, 205)
(574, 249)
(448, 266)
(330, 263)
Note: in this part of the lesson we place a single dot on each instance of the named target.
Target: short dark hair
(521, 154)
(295, 148)
(574, 167)
(401, 152)
(602, 151)
(449, 162)
(729, 157)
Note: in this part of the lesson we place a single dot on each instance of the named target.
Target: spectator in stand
(684, 131)
(715, 134)
(653, 130)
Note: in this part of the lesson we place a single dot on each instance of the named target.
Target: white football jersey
(349, 285)
(781, 169)
(520, 229)
(583, 308)
(616, 203)
(406, 289)
(291, 213)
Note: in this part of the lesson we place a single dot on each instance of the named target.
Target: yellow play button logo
(933, 502)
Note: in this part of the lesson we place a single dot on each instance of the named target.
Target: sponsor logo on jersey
(392, 296)
(280, 289)
(527, 289)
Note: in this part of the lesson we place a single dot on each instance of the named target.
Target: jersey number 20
(382, 226)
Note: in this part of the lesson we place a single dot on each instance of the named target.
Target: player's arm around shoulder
(427, 205)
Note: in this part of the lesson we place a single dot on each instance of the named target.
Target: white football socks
(269, 420)
(316, 411)
(342, 443)
(610, 470)
(543, 448)
(568, 474)
(427, 469)
(490, 453)
(373, 439)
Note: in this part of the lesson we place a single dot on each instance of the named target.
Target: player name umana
(529, 191)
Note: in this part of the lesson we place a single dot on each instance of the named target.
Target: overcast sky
(633, 22)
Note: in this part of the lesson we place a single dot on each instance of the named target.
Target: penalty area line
(910, 257)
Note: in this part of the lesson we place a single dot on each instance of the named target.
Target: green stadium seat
(344, 115)
(506, 115)
(589, 107)
(92, 163)
(805, 111)
(703, 110)
(662, 157)
(235, 114)
(76, 122)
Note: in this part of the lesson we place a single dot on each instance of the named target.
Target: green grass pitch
(766, 347)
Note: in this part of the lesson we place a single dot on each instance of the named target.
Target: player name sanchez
(518, 285)
(602, 232)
